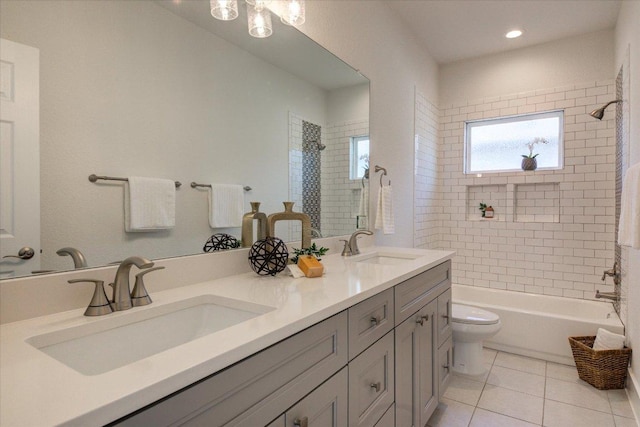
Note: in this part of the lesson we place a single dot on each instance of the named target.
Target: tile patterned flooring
(519, 391)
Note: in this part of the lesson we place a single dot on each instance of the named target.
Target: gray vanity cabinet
(422, 342)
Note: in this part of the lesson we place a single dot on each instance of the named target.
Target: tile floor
(519, 391)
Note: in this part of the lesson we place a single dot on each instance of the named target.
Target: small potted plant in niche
(529, 162)
(483, 209)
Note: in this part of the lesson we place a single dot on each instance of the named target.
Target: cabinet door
(416, 389)
(444, 316)
(326, 406)
(445, 362)
(278, 422)
(371, 383)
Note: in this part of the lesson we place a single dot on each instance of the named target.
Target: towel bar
(195, 184)
(93, 178)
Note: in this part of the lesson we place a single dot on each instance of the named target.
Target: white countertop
(37, 390)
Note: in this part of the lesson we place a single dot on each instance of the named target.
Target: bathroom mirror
(162, 89)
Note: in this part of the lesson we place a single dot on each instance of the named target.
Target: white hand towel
(629, 226)
(226, 205)
(606, 340)
(384, 213)
(149, 204)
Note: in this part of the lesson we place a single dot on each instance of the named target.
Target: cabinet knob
(445, 316)
(445, 367)
(301, 422)
(376, 386)
(375, 320)
(422, 319)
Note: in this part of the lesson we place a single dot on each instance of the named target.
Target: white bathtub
(539, 325)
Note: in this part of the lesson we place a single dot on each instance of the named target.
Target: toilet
(471, 326)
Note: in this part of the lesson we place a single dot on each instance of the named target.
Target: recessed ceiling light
(513, 34)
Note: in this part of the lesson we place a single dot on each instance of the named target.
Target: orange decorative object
(310, 266)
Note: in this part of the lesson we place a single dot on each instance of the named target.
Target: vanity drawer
(369, 321)
(414, 293)
(261, 387)
(389, 418)
(372, 383)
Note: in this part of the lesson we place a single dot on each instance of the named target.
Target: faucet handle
(99, 304)
(346, 251)
(139, 295)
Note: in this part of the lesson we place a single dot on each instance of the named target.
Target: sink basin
(386, 258)
(113, 342)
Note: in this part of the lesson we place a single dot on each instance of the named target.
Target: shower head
(599, 113)
(319, 145)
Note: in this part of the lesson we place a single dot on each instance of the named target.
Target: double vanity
(369, 343)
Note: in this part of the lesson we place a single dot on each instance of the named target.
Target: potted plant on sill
(529, 162)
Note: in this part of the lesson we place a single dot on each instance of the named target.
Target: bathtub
(539, 325)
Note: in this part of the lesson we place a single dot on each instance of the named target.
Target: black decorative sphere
(221, 242)
(268, 256)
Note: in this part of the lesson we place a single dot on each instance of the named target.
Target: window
(497, 145)
(359, 156)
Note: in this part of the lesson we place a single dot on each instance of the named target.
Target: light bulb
(293, 13)
(259, 22)
(224, 10)
(513, 34)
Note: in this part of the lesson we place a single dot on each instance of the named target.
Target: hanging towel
(384, 213)
(606, 340)
(629, 225)
(226, 205)
(149, 204)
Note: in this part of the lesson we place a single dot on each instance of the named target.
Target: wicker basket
(603, 369)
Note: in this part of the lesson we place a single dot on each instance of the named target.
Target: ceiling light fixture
(224, 10)
(513, 34)
(292, 12)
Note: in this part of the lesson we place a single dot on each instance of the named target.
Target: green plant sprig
(311, 250)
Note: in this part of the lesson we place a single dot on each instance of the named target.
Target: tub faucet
(121, 289)
(613, 296)
(351, 246)
(79, 261)
(613, 272)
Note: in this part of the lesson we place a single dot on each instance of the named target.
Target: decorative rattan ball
(221, 242)
(268, 256)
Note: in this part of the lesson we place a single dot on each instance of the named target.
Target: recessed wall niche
(493, 195)
(537, 202)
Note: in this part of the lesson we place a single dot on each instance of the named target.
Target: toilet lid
(473, 315)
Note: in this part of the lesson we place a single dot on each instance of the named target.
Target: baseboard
(633, 391)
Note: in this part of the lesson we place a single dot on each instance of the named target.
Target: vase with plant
(529, 162)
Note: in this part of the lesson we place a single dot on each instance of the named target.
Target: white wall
(627, 39)
(368, 36)
(577, 59)
(153, 100)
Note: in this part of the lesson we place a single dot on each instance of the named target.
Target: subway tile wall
(530, 248)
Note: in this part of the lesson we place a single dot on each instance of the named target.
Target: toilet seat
(473, 315)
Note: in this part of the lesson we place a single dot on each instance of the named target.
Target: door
(326, 406)
(19, 158)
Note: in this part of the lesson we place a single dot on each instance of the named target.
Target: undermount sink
(385, 258)
(113, 342)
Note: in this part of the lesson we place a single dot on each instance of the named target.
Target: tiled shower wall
(529, 248)
(311, 169)
(427, 197)
(343, 204)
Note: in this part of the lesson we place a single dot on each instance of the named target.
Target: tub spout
(613, 296)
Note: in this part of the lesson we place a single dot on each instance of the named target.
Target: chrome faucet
(79, 261)
(121, 290)
(351, 246)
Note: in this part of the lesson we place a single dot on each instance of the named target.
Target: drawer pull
(422, 319)
(301, 422)
(375, 320)
(376, 386)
